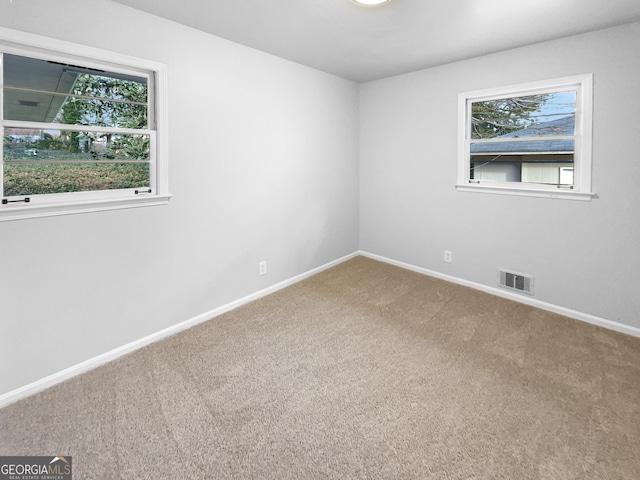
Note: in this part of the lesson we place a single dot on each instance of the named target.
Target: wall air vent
(520, 282)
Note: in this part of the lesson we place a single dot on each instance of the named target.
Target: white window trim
(583, 139)
(80, 202)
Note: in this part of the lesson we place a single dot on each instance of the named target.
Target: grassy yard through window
(38, 162)
(34, 179)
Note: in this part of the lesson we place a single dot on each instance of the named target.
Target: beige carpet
(365, 371)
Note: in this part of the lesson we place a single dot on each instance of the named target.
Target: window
(532, 139)
(83, 129)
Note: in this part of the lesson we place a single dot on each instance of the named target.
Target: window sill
(527, 192)
(22, 212)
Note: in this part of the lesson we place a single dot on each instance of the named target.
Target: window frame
(45, 205)
(581, 189)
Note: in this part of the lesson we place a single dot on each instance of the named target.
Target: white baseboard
(51, 380)
(567, 312)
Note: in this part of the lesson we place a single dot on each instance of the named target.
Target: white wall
(584, 255)
(273, 177)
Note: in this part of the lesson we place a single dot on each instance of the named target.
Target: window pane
(526, 117)
(55, 161)
(44, 91)
(34, 179)
(552, 169)
(42, 146)
(549, 114)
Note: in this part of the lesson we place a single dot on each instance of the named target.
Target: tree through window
(44, 159)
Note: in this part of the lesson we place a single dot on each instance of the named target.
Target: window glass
(528, 116)
(38, 161)
(537, 119)
(59, 159)
(39, 90)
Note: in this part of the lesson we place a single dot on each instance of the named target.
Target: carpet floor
(364, 371)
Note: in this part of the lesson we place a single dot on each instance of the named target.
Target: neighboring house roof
(559, 127)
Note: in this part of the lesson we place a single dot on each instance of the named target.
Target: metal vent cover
(520, 282)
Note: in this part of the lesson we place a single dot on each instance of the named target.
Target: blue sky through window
(558, 105)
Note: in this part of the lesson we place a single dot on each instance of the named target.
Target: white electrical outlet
(262, 268)
(448, 256)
